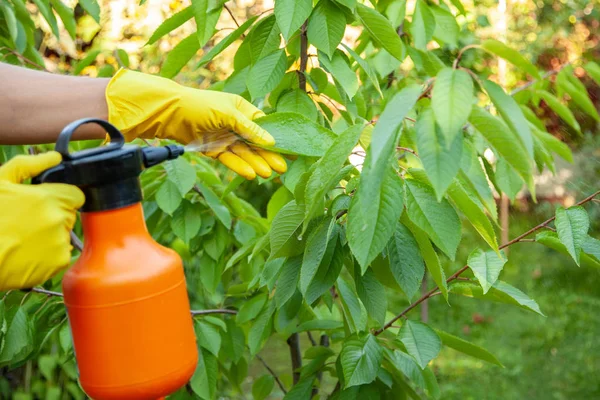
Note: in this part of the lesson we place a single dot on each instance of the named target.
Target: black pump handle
(62, 144)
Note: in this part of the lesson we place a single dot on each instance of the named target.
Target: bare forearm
(35, 106)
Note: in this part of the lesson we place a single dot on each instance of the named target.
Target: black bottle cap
(107, 175)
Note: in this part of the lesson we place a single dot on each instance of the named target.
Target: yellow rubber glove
(147, 106)
(35, 221)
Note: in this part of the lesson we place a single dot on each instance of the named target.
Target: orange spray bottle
(126, 296)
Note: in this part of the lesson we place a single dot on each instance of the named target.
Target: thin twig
(272, 373)
(454, 276)
(310, 337)
(23, 58)
(303, 56)
(215, 311)
(232, 16)
(47, 292)
(296, 355)
(545, 76)
(75, 241)
(461, 52)
(550, 228)
(400, 148)
(526, 240)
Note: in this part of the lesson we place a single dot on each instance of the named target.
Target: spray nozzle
(156, 155)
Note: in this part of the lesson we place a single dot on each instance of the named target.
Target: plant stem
(296, 356)
(272, 373)
(303, 57)
(324, 341)
(47, 292)
(454, 276)
(461, 52)
(232, 16)
(76, 242)
(215, 311)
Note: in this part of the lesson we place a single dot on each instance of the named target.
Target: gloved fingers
(70, 196)
(236, 164)
(275, 161)
(215, 143)
(248, 109)
(257, 163)
(24, 167)
(250, 131)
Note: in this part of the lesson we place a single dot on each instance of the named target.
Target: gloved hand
(35, 221)
(147, 106)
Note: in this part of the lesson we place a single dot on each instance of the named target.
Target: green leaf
(84, 62)
(326, 27)
(291, 14)
(366, 67)
(591, 246)
(301, 390)
(295, 134)
(46, 10)
(368, 235)
(500, 292)
(438, 219)
(551, 240)
(10, 19)
(223, 44)
(420, 341)
(440, 159)
(512, 56)
(572, 226)
(206, 14)
(18, 340)
(66, 15)
(351, 4)
(578, 93)
(593, 70)
(406, 365)
(406, 262)
(511, 113)
(372, 217)
(459, 6)
(251, 308)
(381, 31)
(486, 266)
(467, 348)
(341, 71)
(92, 8)
(360, 359)
(263, 39)
(351, 307)
(504, 142)
(554, 144)
(328, 272)
(171, 23)
(182, 174)
(452, 100)
(372, 294)
(507, 179)
(319, 325)
(430, 257)
(180, 56)
(476, 178)
(122, 56)
(186, 221)
(263, 387)
(285, 229)
(288, 280)
(426, 61)
(204, 381)
(221, 211)
(208, 337)
(266, 74)
(261, 329)
(316, 246)
(446, 28)
(465, 199)
(326, 170)
(560, 109)
(168, 197)
(422, 25)
(297, 101)
(280, 198)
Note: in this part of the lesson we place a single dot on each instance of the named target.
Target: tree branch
(296, 355)
(324, 341)
(303, 56)
(76, 242)
(454, 276)
(23, 58)
(232, 16)
(47, 292)
(215, 311)
(272, 373)
(461, 52)
(545, 76)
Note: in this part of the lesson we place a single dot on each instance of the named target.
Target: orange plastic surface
(128, 310)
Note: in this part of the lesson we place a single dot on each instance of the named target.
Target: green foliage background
(399, 142)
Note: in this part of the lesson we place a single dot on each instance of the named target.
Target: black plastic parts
(107, 175)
